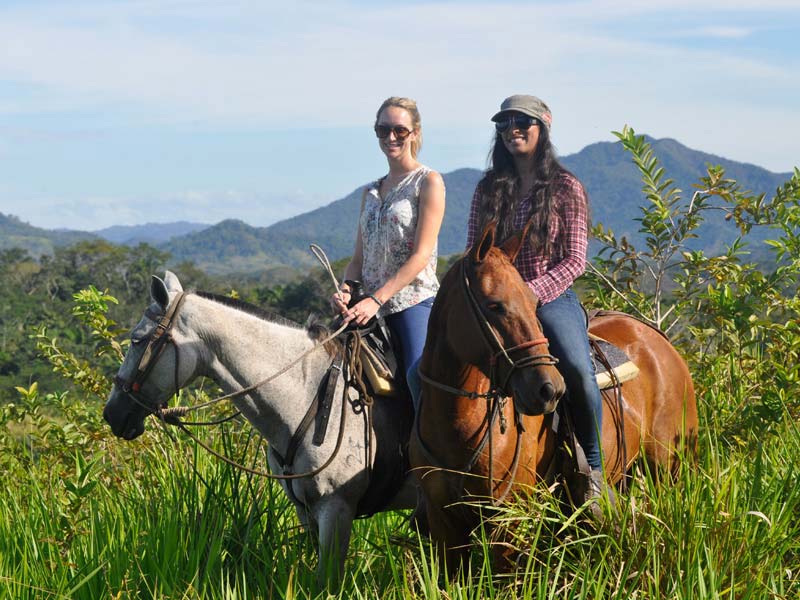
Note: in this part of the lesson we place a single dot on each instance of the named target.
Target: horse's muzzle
(126, 421)
(535, 394)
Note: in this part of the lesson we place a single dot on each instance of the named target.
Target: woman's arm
(574, 215)
(429, 221)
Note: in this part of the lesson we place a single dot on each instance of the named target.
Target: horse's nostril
(548, 392)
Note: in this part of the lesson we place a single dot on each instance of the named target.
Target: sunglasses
(521, 122)
(400, 132)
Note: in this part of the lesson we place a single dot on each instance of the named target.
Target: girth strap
(322, 401)
(328, 384)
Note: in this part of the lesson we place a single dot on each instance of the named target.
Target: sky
(124, 112)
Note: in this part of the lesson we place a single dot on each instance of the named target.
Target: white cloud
(722, 32)
(259, 64)
(251, 70)
(91, 213)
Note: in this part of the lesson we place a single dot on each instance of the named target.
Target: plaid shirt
(549, 276)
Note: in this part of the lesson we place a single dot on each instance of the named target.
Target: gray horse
(236, 347)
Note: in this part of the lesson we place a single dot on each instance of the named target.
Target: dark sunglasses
(400, 132)
(521, 122)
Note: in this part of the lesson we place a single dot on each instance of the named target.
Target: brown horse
(483, 334)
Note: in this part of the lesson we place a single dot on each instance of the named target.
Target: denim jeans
(564, 324)
(409, 328)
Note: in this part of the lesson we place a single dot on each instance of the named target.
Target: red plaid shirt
(549, 276)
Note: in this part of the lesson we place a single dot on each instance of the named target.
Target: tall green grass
(157, 518)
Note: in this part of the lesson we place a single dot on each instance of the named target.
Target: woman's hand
(340, 299)
(362, 312)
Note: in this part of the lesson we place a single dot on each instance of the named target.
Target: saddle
(378, 379)
(613, 367)
(378, 358)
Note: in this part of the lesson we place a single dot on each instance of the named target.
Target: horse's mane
(250, 309)
(315, 329)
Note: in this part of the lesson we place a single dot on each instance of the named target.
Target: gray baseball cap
(527, 105)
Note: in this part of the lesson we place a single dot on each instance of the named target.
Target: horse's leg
(335, 518)
(451, 540)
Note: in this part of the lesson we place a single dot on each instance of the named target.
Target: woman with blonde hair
(396, 242)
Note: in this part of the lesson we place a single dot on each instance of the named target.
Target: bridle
(156, 344)
(501, 367)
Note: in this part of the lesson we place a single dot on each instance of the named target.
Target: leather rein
(157, 342)
(501, 368)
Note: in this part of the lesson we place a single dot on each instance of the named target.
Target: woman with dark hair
(398, 227)
(525, 182)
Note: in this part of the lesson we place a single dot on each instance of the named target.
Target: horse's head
(503, 335)
(151, 371)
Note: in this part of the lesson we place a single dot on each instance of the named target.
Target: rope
(319, 253)
(179, 411)
(352, 366)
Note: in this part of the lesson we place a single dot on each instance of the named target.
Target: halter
(499, 361)
(156, 344)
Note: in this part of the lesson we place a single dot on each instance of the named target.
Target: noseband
(156, 344)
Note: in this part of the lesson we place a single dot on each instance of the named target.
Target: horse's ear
(172, 281)
(514, 244)
(158, 292)
(481, 249)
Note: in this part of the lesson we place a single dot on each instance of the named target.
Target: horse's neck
(240, 350)
(465, 416)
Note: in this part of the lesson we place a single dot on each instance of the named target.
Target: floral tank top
(388, 229)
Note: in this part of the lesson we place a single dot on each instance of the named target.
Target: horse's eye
(496, 307)
(136, 340)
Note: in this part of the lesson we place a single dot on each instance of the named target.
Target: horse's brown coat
(660, 413)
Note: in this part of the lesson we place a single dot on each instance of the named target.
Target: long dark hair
(497, 191)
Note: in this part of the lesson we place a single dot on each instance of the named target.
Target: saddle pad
(624, 369)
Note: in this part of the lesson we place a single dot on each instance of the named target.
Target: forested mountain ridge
(149, 233)
(15, 233)
(610, 177)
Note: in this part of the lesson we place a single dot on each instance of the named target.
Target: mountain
(15, 233)
(231, 246)
(611, 179)
(149, 233)
(614, 186)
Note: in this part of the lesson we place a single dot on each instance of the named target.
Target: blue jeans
(564, 324)
(409, 328)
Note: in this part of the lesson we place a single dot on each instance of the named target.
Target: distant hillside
(18, 234)
(149, 233)
(231, 246)
(611, 179)
(614, 186)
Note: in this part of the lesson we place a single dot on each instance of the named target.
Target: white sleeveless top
(388, 229)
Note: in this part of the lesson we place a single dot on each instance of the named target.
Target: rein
(495, 397)
(157, 343)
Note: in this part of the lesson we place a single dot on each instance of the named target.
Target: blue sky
(118, 112)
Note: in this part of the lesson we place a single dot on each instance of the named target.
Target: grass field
(84, 515)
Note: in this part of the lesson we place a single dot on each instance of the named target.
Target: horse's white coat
(237, 349)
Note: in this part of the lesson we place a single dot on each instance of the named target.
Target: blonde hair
(410, 106)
